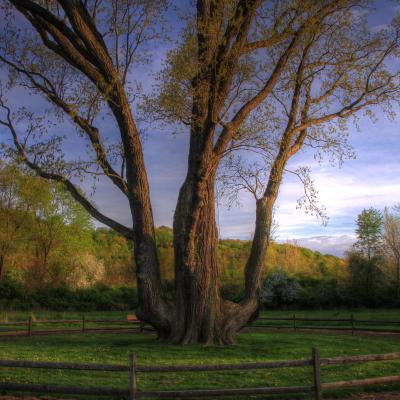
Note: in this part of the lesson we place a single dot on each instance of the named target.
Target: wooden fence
(339, 324)
(31, 327)
(133, 392)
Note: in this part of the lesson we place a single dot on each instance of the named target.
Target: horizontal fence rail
(83, 325)
(335, 324)
(134, 393)
(32, 327)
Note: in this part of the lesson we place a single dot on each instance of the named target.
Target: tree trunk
(398, 278)
(198, 302)
(2, 266)
(201, 314)
(152, 305)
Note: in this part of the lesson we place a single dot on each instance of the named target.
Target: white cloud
(336, 245)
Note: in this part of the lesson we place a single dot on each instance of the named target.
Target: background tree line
(52, 256)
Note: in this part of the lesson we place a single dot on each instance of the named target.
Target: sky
(370, 180)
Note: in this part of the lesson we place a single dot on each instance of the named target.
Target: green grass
(250, 347)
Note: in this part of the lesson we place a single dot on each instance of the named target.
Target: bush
(316, 293)
(13, 296)
(279, 289)
(232, 292)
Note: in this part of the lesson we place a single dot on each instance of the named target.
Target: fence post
(294, 322)
(317, 373)
(83, 324)
(352, 324)
(30, 326)
(132, 376)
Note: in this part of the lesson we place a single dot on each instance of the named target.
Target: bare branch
(75, 192)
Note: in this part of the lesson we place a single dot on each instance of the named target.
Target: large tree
(270, 77)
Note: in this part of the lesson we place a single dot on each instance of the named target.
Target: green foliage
(164, 237)
(13, 296)
(232, 291)
(369, 232)
(115, 254)
(367, 284)
(45, 234)
(55, 259)
(280, 289)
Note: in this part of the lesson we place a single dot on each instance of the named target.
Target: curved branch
(72, 189)
(91, 131)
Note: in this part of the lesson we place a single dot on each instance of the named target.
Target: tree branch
(91, 131)
(72, 189)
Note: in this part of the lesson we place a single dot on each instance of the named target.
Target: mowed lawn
(250, 347)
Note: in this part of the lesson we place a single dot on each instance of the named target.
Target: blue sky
(371, 180)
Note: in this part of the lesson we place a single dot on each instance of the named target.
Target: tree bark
(2, 266)
(152, 307)
(398, 278)
(198, 302)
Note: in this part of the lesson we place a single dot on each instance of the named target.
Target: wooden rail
(342, 324)
(132, 392)
(80, 325)
(294, 322)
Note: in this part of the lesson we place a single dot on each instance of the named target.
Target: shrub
(279, 289)
(232, 292)
(103, 298)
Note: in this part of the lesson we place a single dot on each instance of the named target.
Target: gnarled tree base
(223, 332)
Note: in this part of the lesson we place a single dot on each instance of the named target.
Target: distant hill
(233, 253)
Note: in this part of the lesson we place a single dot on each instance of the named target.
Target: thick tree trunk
(201, 314)
(198, 302)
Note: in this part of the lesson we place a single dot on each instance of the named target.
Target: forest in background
(53, 257)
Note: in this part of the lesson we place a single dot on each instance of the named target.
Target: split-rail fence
(132, 392)
(295, 323)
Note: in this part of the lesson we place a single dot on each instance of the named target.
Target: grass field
(250, 347)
